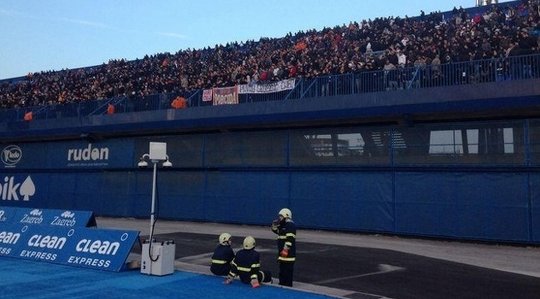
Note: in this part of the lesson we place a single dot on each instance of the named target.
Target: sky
(39, 35)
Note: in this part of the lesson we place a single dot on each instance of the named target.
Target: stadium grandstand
(424, 126)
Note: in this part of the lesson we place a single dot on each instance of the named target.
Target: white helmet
(286, 213)
(249, 242)
(224, 238)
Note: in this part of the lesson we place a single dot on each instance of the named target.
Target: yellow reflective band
(221, 262)
(291, 235)
(288, 244)
(255, 265)
(282, 237)
(286, 259)
(254, 276)
(243, 269)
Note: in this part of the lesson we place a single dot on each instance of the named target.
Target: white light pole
(158, 152)
(160, 258)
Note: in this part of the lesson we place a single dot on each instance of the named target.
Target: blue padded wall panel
(535, 206)
(246, 197)
(466, 205)
(62, 190)
(90, 194)
(141, 194)
(117, 191)
(24, 190)
(180, 195)
(343, 200)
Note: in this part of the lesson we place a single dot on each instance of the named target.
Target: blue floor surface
(27, 279)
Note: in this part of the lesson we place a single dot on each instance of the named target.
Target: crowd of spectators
(383, 43)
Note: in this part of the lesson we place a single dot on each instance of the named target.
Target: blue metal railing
(421, 76)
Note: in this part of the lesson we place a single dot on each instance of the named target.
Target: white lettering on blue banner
(267, 87)
(103, 249)
(10, 189)
(89, 155)
(53, 217)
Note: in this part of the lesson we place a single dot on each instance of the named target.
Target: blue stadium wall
(247, 175)
(462, 202)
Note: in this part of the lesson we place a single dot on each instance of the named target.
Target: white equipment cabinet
(161, 261)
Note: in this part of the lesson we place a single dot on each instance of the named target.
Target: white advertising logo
(34, 217)
(88, 154)
(67, 218)
(11, 190)
(40, 246)
(11, 155)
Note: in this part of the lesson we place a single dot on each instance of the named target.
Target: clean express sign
(102, 249)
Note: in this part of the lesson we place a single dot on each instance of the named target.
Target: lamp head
(167, 164)
(142, 163)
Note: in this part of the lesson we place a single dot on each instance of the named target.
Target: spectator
(307, 54)
(179, 103)
(28, 116)
(390, 75)
(110, 109)
(402, 58)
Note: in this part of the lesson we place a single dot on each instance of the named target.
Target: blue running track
(27, 279)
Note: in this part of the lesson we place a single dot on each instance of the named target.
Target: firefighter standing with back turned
(285, 228)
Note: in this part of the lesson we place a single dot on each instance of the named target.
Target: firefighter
(223, 256)
(247, 266)
(285, 228)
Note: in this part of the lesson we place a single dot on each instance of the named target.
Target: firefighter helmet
(249, 242)
(224, 238)
(286, 213)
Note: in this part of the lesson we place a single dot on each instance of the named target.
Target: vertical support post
(152, 210)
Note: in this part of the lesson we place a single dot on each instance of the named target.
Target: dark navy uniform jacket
(246, 264)
(286, 232)
(221, 260)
